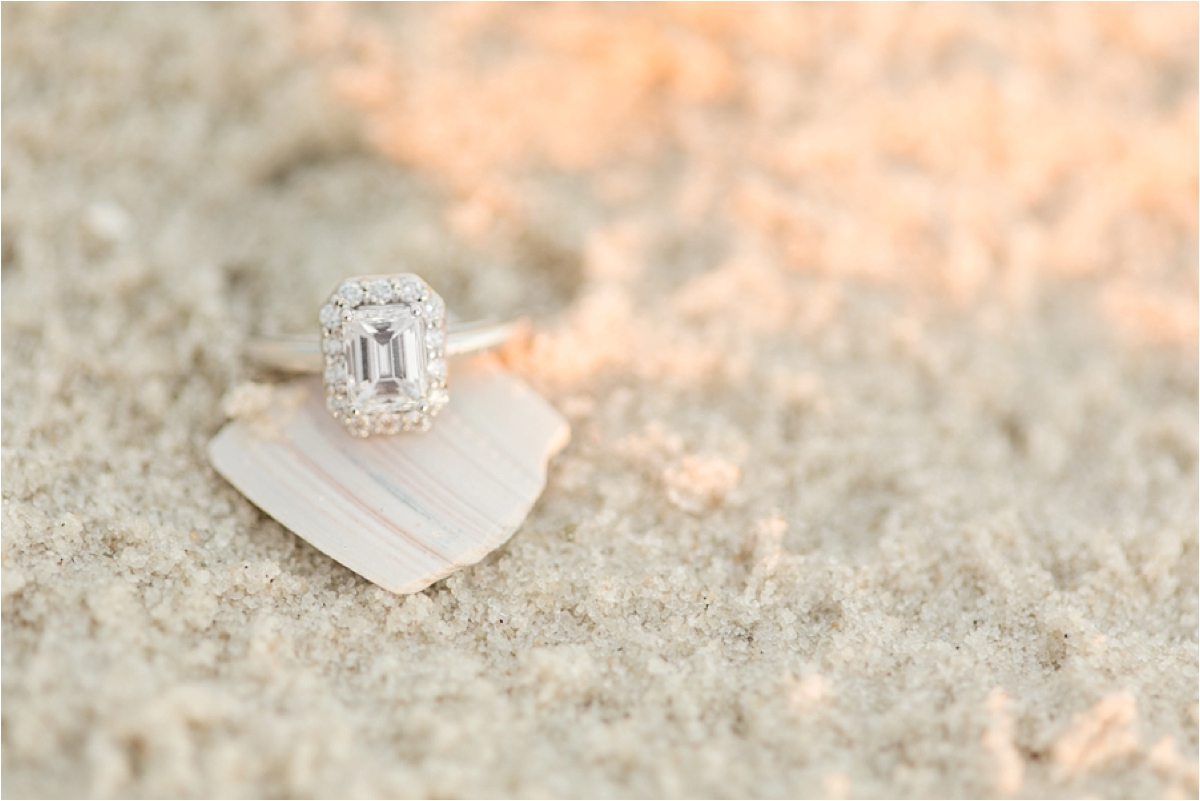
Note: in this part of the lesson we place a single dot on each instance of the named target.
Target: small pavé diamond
(335, 372)
(330, 315)
(379, 291)
(351, 292)
(410, 288)
(433, 307)
(437, 369)
(333, 346)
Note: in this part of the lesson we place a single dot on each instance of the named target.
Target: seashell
(401, 511)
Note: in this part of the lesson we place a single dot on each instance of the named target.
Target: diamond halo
(384, 345)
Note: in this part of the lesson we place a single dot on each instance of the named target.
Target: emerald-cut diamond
(385, 368)
(385, 347)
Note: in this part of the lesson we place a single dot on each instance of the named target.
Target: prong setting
(383, 340)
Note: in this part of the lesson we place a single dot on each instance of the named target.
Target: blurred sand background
(876, 327)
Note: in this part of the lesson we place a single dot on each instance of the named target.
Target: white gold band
(298, 353)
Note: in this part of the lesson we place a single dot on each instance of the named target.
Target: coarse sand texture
(876, 328)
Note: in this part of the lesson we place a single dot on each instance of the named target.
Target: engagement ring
(383, 348)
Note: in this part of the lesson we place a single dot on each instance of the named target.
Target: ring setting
(383, 350)
(384, 347)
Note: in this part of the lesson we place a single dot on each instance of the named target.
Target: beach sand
(876, 327)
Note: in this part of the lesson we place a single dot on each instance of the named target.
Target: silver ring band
(297, 353)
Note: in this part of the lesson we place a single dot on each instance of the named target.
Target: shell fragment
(407, 510)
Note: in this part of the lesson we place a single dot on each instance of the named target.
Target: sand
(876, 327)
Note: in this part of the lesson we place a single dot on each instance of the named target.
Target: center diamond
(385, 351)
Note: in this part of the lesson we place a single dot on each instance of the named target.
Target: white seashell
(407, 510)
